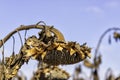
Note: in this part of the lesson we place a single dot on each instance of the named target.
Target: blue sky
(79, 20)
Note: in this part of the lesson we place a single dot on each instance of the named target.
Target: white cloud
(112, 4)
(94, 9)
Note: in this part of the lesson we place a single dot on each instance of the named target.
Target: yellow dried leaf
(89, 55)
(72, 51)
(59, 48)
(30, 52)
(43, 55)
(82, 56)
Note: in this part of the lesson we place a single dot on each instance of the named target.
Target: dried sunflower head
(63, 54)
(56, 53)
(50, 73)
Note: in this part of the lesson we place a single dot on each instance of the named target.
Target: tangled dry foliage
(50, 49)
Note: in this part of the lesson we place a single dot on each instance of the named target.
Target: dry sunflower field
(50, 49)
